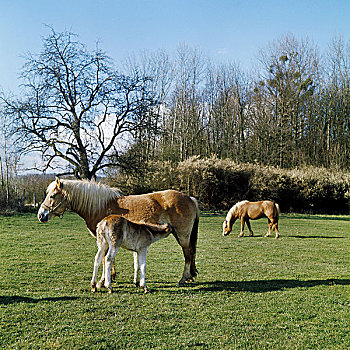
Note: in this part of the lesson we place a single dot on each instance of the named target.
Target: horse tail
(194, 238)
(278, 210)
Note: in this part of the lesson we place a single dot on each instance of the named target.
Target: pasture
(251, 293)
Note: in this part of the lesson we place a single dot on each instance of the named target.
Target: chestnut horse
(94, 201)
(252, 210)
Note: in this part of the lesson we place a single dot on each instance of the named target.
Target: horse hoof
(93, 290)
(110, 290)
(146, 291)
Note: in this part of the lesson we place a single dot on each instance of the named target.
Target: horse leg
(109, 258)
(242, 227)
(102, 247)
(275, 225)
(113, 273)
(251, 234)
(268, 234)
(189, 256)
(142, 256)
(136, 269)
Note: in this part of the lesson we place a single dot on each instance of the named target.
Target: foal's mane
(87, 196)
(234, 210)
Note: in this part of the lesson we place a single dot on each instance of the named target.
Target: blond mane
(234, 210)
(87, 196)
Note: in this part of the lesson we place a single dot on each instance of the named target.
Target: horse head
(226, 228)
(55, 203)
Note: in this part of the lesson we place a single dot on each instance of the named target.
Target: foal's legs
(242, 227)
(136, 269)
(142, 256)
(109, 258)
(102, 248)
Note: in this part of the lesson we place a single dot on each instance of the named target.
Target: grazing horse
(114, 232)
(252, 210)
(94, 201)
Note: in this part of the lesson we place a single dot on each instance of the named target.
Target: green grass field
(251, 293)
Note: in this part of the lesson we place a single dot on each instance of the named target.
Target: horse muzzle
(43, 215)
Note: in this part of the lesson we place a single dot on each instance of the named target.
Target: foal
(245, 210)
(114, 232)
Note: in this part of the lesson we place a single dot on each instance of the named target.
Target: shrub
(218, 184)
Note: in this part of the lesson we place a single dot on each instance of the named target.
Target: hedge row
(218, 184)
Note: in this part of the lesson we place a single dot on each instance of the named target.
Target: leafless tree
(290, 69)
(76, 107)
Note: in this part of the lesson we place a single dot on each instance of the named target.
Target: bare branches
(76, 105)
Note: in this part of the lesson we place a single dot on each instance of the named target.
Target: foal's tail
(193, 239)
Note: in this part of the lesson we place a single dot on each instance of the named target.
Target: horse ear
(58, 183)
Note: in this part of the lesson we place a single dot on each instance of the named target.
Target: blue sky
(224, 30)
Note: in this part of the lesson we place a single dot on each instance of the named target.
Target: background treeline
(279, 131)
(23, 193)
(217, 184)
(293, 110)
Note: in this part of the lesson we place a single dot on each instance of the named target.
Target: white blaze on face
(225, 230)
(43, 214)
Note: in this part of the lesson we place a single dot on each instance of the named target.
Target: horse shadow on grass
(327, 237)
(263, 286)
(6, 300)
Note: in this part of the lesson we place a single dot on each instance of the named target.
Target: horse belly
(255, 213)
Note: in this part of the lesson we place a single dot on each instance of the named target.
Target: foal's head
(55, 203)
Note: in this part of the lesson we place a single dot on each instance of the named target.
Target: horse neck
(91, 217)
(231, 217)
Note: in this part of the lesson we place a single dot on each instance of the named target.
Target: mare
(114, 232)
(246, 210)
(93, 202)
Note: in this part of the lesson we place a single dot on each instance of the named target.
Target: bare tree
(76, 106)
(9, 159)
(288, 81)
(228, 100)
(160, 69)
(334, 121)
(184, 127)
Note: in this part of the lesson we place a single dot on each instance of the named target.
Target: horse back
(257, 210)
